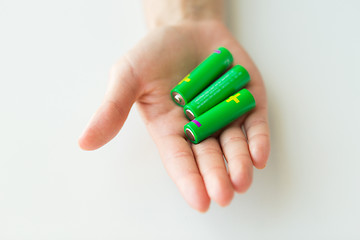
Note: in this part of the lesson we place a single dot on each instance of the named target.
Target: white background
(54, 62)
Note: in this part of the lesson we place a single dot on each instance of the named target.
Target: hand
(146, 74)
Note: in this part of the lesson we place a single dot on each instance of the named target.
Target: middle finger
(211, 164)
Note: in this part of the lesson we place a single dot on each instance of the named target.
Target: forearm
(167, 12)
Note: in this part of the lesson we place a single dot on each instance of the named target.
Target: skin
(147, 73)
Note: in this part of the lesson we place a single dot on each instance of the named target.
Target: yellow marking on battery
(234, 98)
(186, 79)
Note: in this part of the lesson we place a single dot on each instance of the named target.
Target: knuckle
(265, 136)
(180, 155)
(116, 106)
(257, 122)
(209, 151)
(234, 139)
(239, 156)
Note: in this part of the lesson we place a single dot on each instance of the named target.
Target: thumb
(122, 92)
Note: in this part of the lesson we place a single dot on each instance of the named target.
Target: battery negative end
(189, 114)
(178, 98)
(190, 134)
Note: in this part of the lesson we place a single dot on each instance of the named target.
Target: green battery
(229, 83)
(219, 116)
(202, 76)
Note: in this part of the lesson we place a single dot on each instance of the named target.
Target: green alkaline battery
(204, 74)
(219, 116)
(229, 83)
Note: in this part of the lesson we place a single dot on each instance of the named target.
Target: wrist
(172, 12)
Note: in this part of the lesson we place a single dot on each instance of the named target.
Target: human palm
(146, 74)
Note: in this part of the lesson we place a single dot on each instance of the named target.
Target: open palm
(146, 74)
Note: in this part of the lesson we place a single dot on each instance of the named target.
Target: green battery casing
(219, 116)
(229, 83)
(202, 76)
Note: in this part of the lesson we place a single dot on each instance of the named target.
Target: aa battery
(229, 83)
(202, 76)
(219, 116)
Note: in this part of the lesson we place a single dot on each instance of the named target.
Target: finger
(236, 151)
(122, 92)
(258, 135)
(211, 164)
(179, 161)
(256, 124)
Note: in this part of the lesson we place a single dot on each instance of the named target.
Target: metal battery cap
(190, 134)
(178, 98)
(190, 114)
